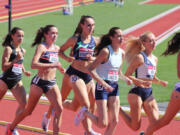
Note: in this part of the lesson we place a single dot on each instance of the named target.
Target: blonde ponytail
(133, 47)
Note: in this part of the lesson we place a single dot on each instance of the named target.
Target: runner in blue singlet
(142, 62)
(174, 103)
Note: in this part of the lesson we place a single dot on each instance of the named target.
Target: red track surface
(164, 2)
(160, 25)
(7, 113)
(22, 8)
(9, 107)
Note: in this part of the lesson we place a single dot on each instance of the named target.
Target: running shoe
(15, 132)
(80, 116)
(45, 122)
(11, 132)
(141, 133)
(93, 132)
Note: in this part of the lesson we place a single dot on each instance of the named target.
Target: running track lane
(9, 107)
(22, 8)
(159, 26)
(163, 2)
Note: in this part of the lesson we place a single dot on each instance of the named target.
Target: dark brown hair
(173, 45)
(8, 39)
(78, 30)
(105, 40)
(40, 34)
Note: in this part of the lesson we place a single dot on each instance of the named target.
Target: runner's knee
(58, 110)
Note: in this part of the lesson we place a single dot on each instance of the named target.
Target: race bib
(53, 57)
(17, 68)
(113, 75)
(83, 52)
(151, 71)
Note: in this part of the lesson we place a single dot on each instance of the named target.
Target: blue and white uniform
(46, 57)
(14, 74)
(145, 71)
(80, 51)
(109, 72)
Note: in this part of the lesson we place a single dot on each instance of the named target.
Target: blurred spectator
(70, 6)
(65, 11)
(118, 3)
(98, 0)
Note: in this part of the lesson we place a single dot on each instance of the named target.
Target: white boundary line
(168, 33)
(37, 5)
(32, 129)
(144, 2)
(76, 4)
(135, 27)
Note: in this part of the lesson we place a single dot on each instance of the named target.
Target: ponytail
(39, 37)
(40, 34)
(8, 39)
(105, 40)
(133, 47)
(78, 30)
(173, 45)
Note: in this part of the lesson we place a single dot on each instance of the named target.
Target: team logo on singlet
(80, 45)
(84, 50)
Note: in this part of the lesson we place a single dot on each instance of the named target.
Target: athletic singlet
(81, 49)
(147, 70)
(16, 70)
(109, 70)
(49, 57)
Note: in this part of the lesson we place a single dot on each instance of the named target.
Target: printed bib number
(83, 52)
(99, 87)
(17, 68)
(53, 58)
(151, 71)
(113, 75)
